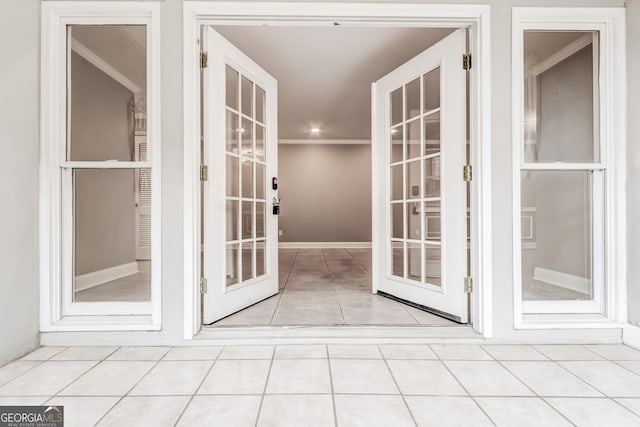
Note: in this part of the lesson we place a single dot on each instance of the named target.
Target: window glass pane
(432, 133)
(414, 222)
(247, 260)
(413, 180)
(556, 235)
(414, 264)
(247, 97)
(247, 178)
(397, 256)
(260, 104)
(561, 72)
(247, 220)
(396, 144)
(232, 220)
(396, 106)
(432, 221)
(107, 113)
(432, 90)
(260, 181)
(413, 98)
(260, 219)
(233, 127)
(433, 264)
(112, 231)
(233, 176)
(397, 226)
(246, 134)
(432, 177)
(232, 88)
(260, 152)
(396, 182)
(232, 263)
(260, 258)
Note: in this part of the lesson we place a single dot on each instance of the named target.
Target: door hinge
(203, 285)
(468, 285)
(204, 172)
(467, 173)
(203, 59)
(466, 61)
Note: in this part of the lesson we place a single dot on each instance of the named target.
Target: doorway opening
(314, 164)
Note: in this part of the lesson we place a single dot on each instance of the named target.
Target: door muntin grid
(414, 196)
(246, 216)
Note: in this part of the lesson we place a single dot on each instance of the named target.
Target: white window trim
(196, 13)
(55, 16)
(610, 22)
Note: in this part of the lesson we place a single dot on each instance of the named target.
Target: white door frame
(475, 17)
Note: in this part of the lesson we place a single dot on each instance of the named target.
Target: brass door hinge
(203, 59)
(468, 285)
(467, 173)
(203, 285)
(466, 61)
(204, 172)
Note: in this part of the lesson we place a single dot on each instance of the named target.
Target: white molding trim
(56, 272)
(312, 141)
(103, 66)
(563, 280)
(477, 17)
(631, 335)
(324, 245)
(102, 323)
(561, 55)
(95, 278)
(610, 24)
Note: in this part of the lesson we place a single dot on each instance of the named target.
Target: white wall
(19, 81)
(19, 107)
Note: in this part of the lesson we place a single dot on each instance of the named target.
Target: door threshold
(339, 334)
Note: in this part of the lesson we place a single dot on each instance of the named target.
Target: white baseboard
(95, 278)
(563, 280)
(324, 245)
(631, 335)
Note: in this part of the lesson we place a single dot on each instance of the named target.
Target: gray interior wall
(19, 132)
(633, 138)
(325, 191)
(104, 199)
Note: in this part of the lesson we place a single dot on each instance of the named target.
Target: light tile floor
(384, 385)
(328, 287)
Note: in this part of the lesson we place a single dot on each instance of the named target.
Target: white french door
(419, 146)
(240, 149)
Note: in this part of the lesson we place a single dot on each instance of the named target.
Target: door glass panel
(432, 221)
(397, 256)
(260, 181)
(397, 226)
(260, 219)
(414, 261)
(247, 220)
(396, 144)
(396, 106)
(414, 221)
(233, 126)
(260, 152)
(247, 261)
(232, 273)
(432, 133)
(260, 258)
(560, 105)
(232, 88)
(232, 220)
(432, 177)
(413, 180)
(433, 264)
(233, 176)
(247, 179)
(556, 235)
(246, 133)
(413, 139)
(105, 216)
(247, 97)
(413, 99)
(396, 182)
(260, 104)
(105, 115)
(432, 90)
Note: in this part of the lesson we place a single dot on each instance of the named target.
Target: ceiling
(325, 73)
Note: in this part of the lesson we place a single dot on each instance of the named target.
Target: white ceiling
(325, 73)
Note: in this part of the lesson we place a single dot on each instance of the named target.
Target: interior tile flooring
(332, 385)
(135, 287)
(328, 287)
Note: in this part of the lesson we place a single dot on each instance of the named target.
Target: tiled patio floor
(329, 385)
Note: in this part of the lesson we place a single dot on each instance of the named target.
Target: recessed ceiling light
(315, 130)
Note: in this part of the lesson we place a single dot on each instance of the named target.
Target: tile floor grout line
(130, 389)
(357, 261)
(584, 380)
(617, 362)
(333, 286)
(404, 399)
(195, 393)
(333, 394)
(284, 287)
(38, 363)
(266, 383)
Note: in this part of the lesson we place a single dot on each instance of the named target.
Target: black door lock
(276, 206)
